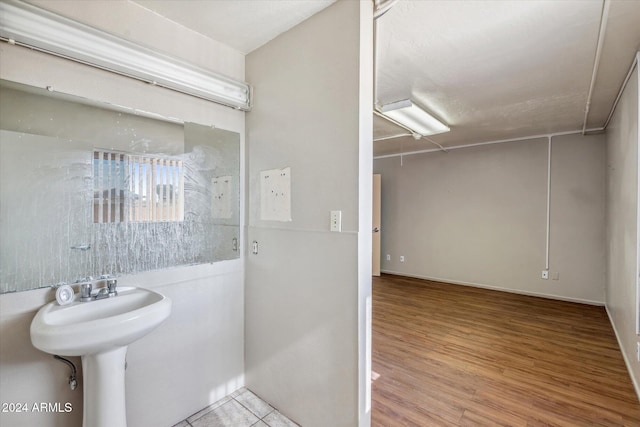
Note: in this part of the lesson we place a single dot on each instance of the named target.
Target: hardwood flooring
(450, 355)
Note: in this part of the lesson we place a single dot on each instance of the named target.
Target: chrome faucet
(112, 284)
(86, 288)
(85, 291)
(86, 285)
(102, 293)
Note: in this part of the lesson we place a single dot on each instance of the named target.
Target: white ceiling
(495, 70)
(245, 25)
(492, 70)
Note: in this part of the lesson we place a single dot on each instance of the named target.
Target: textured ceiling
(496, 70)
(492, 70)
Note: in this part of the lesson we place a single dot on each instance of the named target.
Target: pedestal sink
(100, 332)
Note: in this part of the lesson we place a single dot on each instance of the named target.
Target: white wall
(305, 296)
(622, 225)
(478, 216)
(197, 355)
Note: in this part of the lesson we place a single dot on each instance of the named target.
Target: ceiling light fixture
(414, 118)
(30, 26)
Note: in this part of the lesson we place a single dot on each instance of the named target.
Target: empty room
(509, 230)
(319, 213)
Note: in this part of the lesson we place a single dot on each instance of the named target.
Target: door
(375, 244)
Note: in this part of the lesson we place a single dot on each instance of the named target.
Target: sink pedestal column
(103, 395)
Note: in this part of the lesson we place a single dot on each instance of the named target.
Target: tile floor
(240, 409)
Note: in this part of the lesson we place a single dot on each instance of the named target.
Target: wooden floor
(449, 355)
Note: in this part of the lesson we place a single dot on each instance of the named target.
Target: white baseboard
(498, 288)
(627, 362)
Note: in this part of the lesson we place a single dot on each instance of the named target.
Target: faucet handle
(111, 285)
(85, 291)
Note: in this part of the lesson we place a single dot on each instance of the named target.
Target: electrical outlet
(401, 258)
(638, 352)
(388, 257)
(545, 274)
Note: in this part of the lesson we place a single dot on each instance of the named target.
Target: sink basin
(83, 328)
(100, 331)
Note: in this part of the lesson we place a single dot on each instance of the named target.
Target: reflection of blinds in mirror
(132, 188)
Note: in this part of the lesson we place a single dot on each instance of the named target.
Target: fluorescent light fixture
(28, 25)
(414, 118)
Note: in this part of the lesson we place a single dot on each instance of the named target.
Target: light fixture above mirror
(27, 25)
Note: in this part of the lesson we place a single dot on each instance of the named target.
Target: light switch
(336, 221)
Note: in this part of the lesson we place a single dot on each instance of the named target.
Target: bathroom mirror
(87, 189)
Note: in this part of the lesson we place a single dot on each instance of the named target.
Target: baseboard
(497, 288)
(627, 362)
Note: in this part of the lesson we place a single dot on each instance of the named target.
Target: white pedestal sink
(100, 332)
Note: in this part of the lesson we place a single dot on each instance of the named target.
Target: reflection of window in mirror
(133, 188)
(159, 194)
